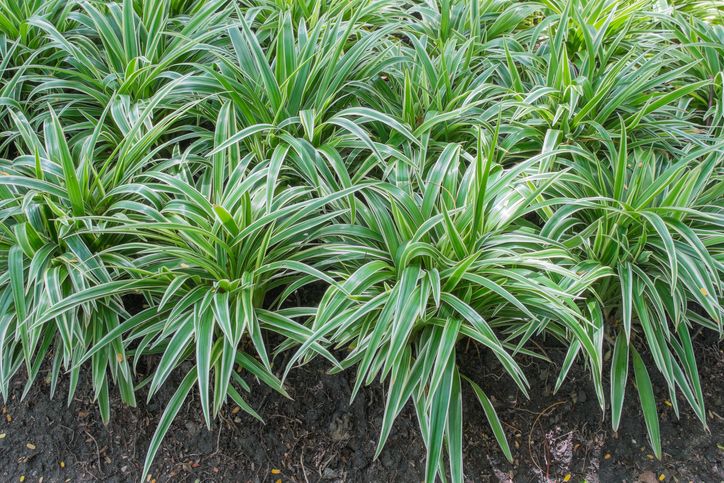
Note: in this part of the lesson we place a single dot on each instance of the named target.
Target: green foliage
(455, 172)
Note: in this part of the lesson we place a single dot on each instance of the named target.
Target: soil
(319, 436)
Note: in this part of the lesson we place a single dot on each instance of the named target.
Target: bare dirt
(319, 436)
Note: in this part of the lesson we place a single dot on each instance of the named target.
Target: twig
(545, 412)
(304, 470)
(98, 451)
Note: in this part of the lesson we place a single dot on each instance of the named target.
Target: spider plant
(653, 222)
(315, 70)
(212, 158)
(115, 50)
(425, 267)
(16, 18)
(50, 257)
(600, 63)
(211, 247)
(59, 289)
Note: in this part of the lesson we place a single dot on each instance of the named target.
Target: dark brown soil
(319, 436)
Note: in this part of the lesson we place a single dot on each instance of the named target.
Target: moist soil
(319, 436)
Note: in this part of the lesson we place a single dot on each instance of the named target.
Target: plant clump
(452, 172)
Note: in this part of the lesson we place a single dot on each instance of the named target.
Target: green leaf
(626, 276)
(438, 420)
(493, 420)
(204, 328)
(648, 403)
(455, 430)
(16, 273)
(620, 164)
(619, 376)
(172, 409)
(668, 241)
(58, 151)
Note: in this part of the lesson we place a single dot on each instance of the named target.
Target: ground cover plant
(452, 172)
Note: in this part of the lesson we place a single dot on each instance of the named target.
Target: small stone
(329, 474)
(647, 477)
(386, 459)
(340, 427)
